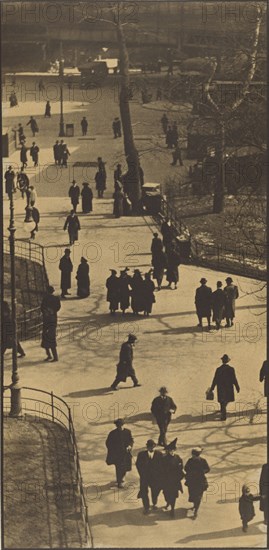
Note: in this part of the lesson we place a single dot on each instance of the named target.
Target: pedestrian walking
(113, 291)
(149, 466)
(177, 156)
(64, 155)
(84, 126)
(118, 174)
(74, 193)
(263, 484)
(167, 233)
(156, 246)
(196, 467)
(22, 182)
(172, 475)
(164, 123)
(32, 195)
(61, 152)
(124, 288)
(33, 125)
(47, 110)
(231, 294)
(173, 261)
(56, 152)
(83, 279)
(246, 506)
(162, 408)
(10, 181)
(36, 218)
(119, 445)
(86, 198)
(169, 138)
(159, 263)
(100, 180)
(116, 127)
(148, 298)
(118, 197)
(7, 331)
(218, 303)
(34, 150)
(264, 376)
(125, 367)
(225, 380)
(66, 268)
(72, 224)
(23, 156)
(21, 133)
(137, 286)
(49, 307)
(174, 135)
(203, 302)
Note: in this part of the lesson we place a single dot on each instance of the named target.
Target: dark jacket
(150, 470)
(231, 294)
(113, 291)
(160, 407)
(264, 375)
(50, 305)
(117, 442)
(73, 226)
(218, 302)
(203, 301)
(156, 246)
(246, 507)
(66, 268)
(74, 193)
(225, 380)
(172, 474)
(196, 468)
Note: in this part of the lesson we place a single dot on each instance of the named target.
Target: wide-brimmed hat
(197, 451)
(171, 446)
(132, 338)
(203, 280)
(163, 389)
(225, 358)
(150, 443)
(119, 422)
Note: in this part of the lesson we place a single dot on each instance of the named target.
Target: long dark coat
(73, 226)
(150, 471)
(218, 302)
(125, 364)
(148, 297)
(50, 306)
(264, 375)
(100, 180)
(66, 268)
(74, 193)
(113, 291)
(156, 247)
(225, 380)
(124, 282)
(173, 261)
(246, 507)
(167, 233)
(203, 301)
(196, 468)
(160, 408)
(118, 197)
(86, 196)
(34, 153)
(137, 285)
(56, 152)
(231, 294)
(23, 154)
(159, 263)
(172, 474)
(83, 280)
(263, 483)
(117, 442)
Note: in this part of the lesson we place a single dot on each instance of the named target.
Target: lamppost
(61, 77)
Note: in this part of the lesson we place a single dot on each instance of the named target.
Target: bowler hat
(119, 422)
(163, 389)
(150, 443)
(225, 358)
(132, 338)
(203, 280)
(171, 446)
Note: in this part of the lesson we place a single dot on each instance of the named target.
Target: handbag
(209, 394)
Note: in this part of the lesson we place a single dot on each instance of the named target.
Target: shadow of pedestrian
(225, 533)
(89, 393)
(121, 518)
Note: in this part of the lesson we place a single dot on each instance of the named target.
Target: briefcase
(209, 394)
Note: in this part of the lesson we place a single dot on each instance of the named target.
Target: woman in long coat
(100, 180)
(196, 468)
(83, 279)
(124, 290)
(171, 476)
(118, 197)
(113, 291)
(47, 110)
(231, 294)
(86, 196)
(148, 294)
(173, 261)
(218, 303)
(159, 262)
(137, 285)
(73, 226)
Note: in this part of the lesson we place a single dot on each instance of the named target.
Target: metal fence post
(52, 405)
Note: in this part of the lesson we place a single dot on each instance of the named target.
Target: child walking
(246, 507)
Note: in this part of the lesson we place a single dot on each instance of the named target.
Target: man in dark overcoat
(218, 303)
(172, 474)
(49, 307)
(263, 483)
(10, 181)
(162, 408)
(203, 302)
(264, 376)
(231, 294)
(119, 445)
(113, 291)
(164, 122)
(56, 152)
(156, 246)
(72, 224)
(125, 367)
(84, 126)
(66, 268)
(34, 150)
(173, 261)
(33, 125)
(74, 193)
(167, 233)
(225, 380)
(196, 467)
(23, 156)
(149, 467)
(124, 289)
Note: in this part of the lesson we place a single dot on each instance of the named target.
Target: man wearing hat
(113, 291)
(125, 366)
(72, 224)
(225, 380)
(137, 286)
(172, 476)
(66, 268)
(124, 289)
(203, 302)
(196, 468)
(119, 444)
(74, 193)
(231, 294)
(149, 467)
(10, 181)
(49, 307)
(162, 408)
(218, 302)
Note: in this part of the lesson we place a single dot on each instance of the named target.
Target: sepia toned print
(133, 303)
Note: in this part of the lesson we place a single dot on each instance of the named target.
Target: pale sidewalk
(171, 351)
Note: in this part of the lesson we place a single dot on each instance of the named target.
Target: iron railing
(58, 411)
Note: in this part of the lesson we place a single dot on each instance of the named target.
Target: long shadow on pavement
(253, 530)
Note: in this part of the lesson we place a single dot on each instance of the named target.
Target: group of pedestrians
(221, 303)
(60, 153)
(128, 291)
(171, 139)
(165, 257)
(23, 185)
(100, 178)
(82, 275)
(86, 195)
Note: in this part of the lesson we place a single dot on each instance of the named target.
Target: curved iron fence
(58, 411)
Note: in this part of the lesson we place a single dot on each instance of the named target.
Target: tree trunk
(129, 145)
(218, 202)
